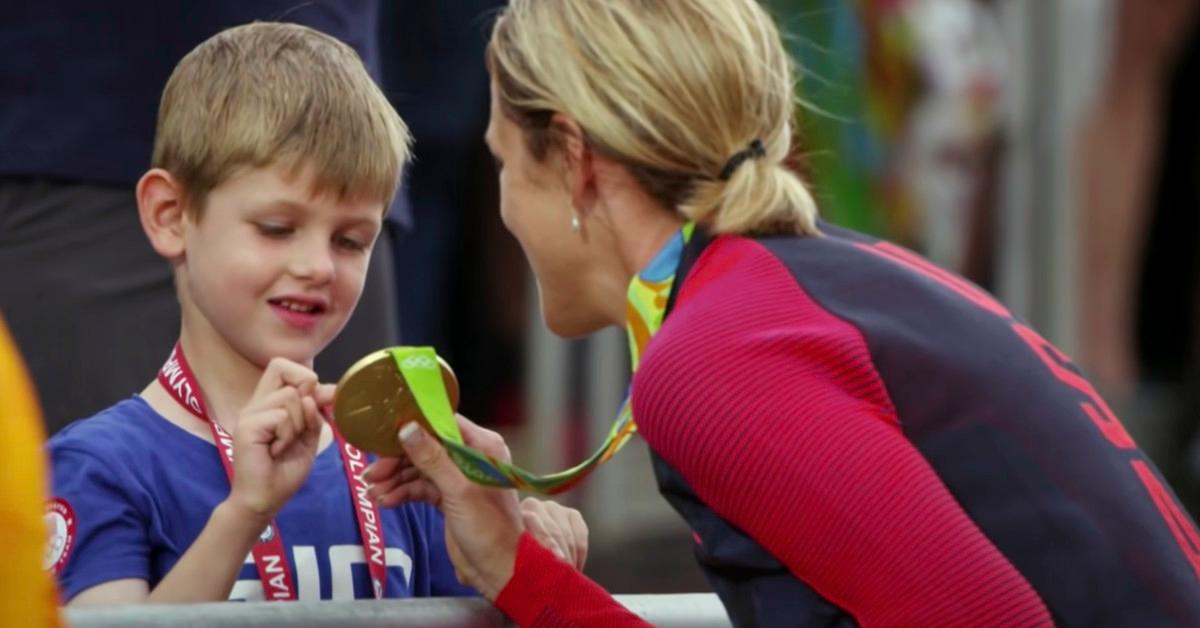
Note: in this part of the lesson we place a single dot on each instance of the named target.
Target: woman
(853, 434)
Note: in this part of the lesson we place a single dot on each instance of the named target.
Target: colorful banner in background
(901, 114)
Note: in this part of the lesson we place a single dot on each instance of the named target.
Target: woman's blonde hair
(671, 89)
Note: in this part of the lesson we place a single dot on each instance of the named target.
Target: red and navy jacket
(857, 435)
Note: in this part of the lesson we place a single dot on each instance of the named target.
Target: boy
(275, 157)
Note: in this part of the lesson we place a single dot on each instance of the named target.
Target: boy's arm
(205, 573)
(208, 569)
(112, 593)
(275, 441)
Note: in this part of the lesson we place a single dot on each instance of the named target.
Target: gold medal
(373, 402)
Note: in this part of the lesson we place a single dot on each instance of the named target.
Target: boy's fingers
(323, 394)
(284, 432)
(296, 410)
(384, 468)
(296, 406)
(565, 526)
(275, 398)
(407, 476)
(541, 531)
(312, 420)
(572, 535)
(403, 475)
(261, 423)
(579, 533)
(299, 376)
(281, 372)
(419, 490)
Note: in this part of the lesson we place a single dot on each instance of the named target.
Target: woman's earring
(574, 222)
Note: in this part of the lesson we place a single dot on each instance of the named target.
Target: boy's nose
(313, 262)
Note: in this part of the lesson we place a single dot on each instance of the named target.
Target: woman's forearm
(546, 591)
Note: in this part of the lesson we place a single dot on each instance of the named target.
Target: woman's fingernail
(409, 432)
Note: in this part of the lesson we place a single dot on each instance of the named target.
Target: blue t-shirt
(142, 488)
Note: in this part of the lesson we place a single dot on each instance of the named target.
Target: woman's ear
(160, 207)
(579, 162)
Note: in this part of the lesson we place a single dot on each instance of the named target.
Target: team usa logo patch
(60, 528)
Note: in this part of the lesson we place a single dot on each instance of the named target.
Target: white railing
(690, 610)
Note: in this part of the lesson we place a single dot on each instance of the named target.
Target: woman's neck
(641, 228)
(633, 227)
(638, 251)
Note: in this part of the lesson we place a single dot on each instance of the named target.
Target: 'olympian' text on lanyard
(177, 378)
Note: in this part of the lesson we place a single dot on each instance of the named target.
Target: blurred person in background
(27, 595)
(1140, 244)
(903, 134)
(457, 271)
(853, 434)
(79, 88)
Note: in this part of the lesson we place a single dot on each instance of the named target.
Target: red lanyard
(269, 556)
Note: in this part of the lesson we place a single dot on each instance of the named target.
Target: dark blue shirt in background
(80, 80)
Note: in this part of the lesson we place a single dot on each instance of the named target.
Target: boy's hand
(558, 528)
(395, 481)
(276, 437)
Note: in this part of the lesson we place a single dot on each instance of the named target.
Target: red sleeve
(772, 411)
(546, 592)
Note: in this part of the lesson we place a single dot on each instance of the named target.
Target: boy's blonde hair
(285, 95)
(672, 89)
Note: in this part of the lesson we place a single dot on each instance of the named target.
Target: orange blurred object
(27, 593)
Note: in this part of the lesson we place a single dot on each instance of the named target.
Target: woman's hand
(395, 481)
(483, 525)
(562, 530)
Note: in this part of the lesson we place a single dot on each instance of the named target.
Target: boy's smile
(299, 311)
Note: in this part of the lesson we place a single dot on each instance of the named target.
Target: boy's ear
(160, 207)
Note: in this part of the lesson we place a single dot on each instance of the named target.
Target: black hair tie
(755, 150)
